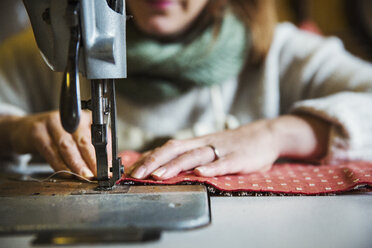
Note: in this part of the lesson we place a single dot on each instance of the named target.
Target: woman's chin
(161, 28)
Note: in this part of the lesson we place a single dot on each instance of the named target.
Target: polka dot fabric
(282, 179)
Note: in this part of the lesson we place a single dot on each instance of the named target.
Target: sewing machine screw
(86, 104)
(174, 205)
(46, 16)
(121, 169)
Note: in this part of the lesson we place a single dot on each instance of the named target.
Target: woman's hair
(259, 16)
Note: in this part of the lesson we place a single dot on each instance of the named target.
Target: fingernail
(139, 173)
(159, 172)
(87, 173)
(199, 170)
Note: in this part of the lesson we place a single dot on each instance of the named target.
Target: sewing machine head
(86, 36)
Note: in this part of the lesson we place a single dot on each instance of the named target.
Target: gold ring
(215, 151)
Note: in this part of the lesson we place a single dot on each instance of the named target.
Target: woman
(234, 92)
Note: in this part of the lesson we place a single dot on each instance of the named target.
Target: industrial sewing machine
(88, 36)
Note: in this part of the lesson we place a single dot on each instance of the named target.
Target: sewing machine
(88, 36)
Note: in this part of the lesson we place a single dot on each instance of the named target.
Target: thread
(60, 172)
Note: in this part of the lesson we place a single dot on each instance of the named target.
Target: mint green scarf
(159, 71)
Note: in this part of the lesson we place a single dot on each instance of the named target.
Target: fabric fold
(286, 178)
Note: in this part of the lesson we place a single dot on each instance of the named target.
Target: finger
(266, 168)
(129, 158)
(83, 139)
(46, 147)
(67, 148)
(222, 166)
(231, 164)
(163, 155)
(137, 164)
(184, 162)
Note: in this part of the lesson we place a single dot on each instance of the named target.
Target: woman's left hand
(249, 148)
(246, 149)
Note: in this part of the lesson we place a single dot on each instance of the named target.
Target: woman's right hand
(43, 133)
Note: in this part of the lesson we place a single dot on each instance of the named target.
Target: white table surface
(311, 221)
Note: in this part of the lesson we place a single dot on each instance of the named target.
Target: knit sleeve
(320, 78)
(27, 85)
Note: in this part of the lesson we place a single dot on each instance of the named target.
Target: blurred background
(350, 20)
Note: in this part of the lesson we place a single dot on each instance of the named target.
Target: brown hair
(259, 16)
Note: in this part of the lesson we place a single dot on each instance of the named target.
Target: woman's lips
(160, 4)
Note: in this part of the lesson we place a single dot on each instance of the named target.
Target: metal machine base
(130, 235)
(74, 212)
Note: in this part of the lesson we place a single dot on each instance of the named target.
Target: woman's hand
(243, 150)
(44, 133)
(250, 148)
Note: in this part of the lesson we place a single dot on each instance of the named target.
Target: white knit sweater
(302, 73)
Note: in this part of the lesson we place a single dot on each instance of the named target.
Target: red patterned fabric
(282, 178)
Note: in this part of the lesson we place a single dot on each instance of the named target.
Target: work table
(268, 221)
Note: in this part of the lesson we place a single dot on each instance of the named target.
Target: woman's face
(165, 17)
